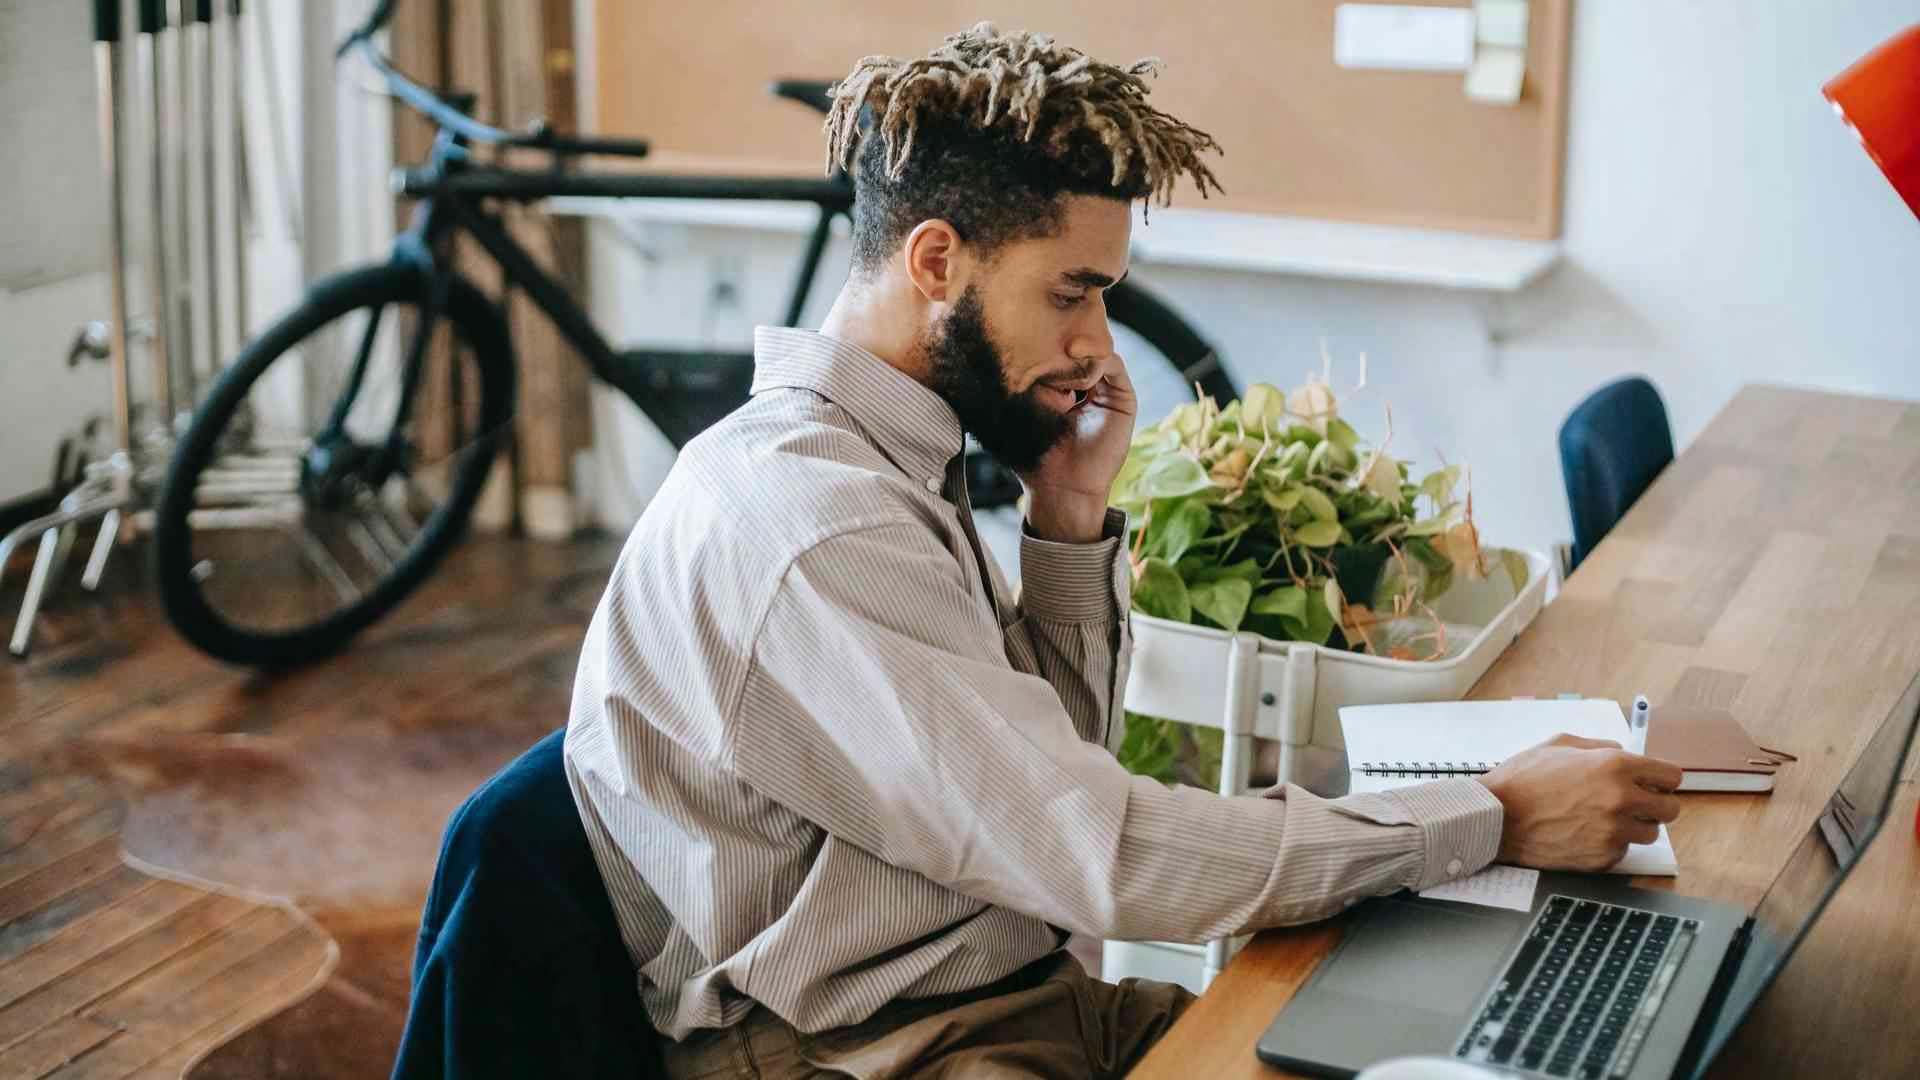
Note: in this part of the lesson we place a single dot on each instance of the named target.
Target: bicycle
(367, 505)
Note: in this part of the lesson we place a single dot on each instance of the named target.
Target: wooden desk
(1774, 569)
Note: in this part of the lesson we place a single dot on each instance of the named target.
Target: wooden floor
(107, 972)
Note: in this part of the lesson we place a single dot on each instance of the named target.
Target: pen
(1637, 724)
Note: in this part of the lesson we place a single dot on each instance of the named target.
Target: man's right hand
(1575, 804)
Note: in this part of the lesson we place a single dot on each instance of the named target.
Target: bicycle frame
(451, 194)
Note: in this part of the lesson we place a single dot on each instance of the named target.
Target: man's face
(1023, 342)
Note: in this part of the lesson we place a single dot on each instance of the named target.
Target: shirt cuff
(1460, 824)
(1074, 582)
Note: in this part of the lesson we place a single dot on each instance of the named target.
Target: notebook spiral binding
(1425, 769)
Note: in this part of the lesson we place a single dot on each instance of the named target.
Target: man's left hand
(1069, 488)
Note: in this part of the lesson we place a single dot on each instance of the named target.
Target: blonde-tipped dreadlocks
(1021, 85)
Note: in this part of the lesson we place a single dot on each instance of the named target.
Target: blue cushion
(1611, 448)
(520, 969)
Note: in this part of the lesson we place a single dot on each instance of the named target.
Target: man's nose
(1093, 340)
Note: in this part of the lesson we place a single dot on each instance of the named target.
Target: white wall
(53, 234)
(1721, 227)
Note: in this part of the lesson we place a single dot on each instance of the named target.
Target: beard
(966, 371)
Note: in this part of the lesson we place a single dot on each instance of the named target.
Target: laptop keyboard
(1579, 996)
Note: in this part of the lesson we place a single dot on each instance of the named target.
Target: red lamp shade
(1879, 98)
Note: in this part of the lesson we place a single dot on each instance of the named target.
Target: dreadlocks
(988, 130)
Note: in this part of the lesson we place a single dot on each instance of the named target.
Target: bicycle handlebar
(446, 116)
(377, 20)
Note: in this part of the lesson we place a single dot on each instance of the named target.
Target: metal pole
(106, 69)
(210, 193)
(276, 119)
(152, 21)
(184, 353)
(242, 179)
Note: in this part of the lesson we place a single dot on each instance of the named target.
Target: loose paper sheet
(1496, 886)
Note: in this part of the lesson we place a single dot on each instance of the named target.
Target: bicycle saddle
(809, 92)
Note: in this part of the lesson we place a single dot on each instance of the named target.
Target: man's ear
(931, 259)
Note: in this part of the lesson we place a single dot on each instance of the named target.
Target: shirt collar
(911, 424)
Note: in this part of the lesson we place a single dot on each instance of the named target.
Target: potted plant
(1271, 515)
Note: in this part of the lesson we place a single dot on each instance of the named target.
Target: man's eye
(1060, 301)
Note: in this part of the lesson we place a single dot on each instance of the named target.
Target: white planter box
(1291, 692)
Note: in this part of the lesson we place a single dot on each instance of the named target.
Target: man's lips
(1065, 396)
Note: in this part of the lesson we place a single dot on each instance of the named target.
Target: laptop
(1598, 979)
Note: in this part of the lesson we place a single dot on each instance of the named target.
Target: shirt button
(1453, 868)
(933, 484)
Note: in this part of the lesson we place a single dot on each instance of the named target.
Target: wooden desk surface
(1774, 570)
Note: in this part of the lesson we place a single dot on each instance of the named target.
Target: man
(848, 794)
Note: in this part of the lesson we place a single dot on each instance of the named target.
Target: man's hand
(1070, 486)
(1575, 804)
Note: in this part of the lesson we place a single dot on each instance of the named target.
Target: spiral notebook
(1390, 746)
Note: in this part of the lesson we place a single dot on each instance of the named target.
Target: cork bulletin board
(1302, 136)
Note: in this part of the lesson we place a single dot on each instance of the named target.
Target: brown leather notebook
(1716, 752)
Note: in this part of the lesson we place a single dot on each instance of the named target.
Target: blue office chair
(520, 969)
(1611, 448)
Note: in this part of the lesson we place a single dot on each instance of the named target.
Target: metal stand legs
(107, 491)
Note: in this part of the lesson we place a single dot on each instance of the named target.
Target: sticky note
(1402, 36)
(1496, 74)
(1500, 22)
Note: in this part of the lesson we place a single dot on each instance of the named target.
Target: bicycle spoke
(321, 559)
(396, 508)
(381, 529)
(369, 547)
(356, 375)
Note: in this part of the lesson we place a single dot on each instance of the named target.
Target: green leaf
(1318, 504)
(1431, 557)
(1285, 500)
(1129, 476)
(1172, 476)
(1161, 592)
(1287, 600)
(1177, 530)
(1222, 539)
(1438, 484)
(1187, 420)
(1149, 747)
(1372, 515)
(1263, 407)
(1516, 565)
(1437, 524)
(1317, 459)
(1246, 570)
(1318, 534)
(1341, 434)
(1223, 601)
(1319, 622)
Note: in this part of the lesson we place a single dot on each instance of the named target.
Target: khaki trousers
(1050, 1020)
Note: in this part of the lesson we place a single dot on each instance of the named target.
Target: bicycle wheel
(333, 465)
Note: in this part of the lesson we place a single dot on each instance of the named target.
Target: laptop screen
(1817, 866)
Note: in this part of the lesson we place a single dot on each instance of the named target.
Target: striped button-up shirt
(825, 759)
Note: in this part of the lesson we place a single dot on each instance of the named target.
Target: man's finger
(1655, 774)
(1115, 386)
(1653, 806)
(1582, 743)
(1641, 832)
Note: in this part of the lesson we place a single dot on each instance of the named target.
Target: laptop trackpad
(1424, 957)
(1402, 981)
